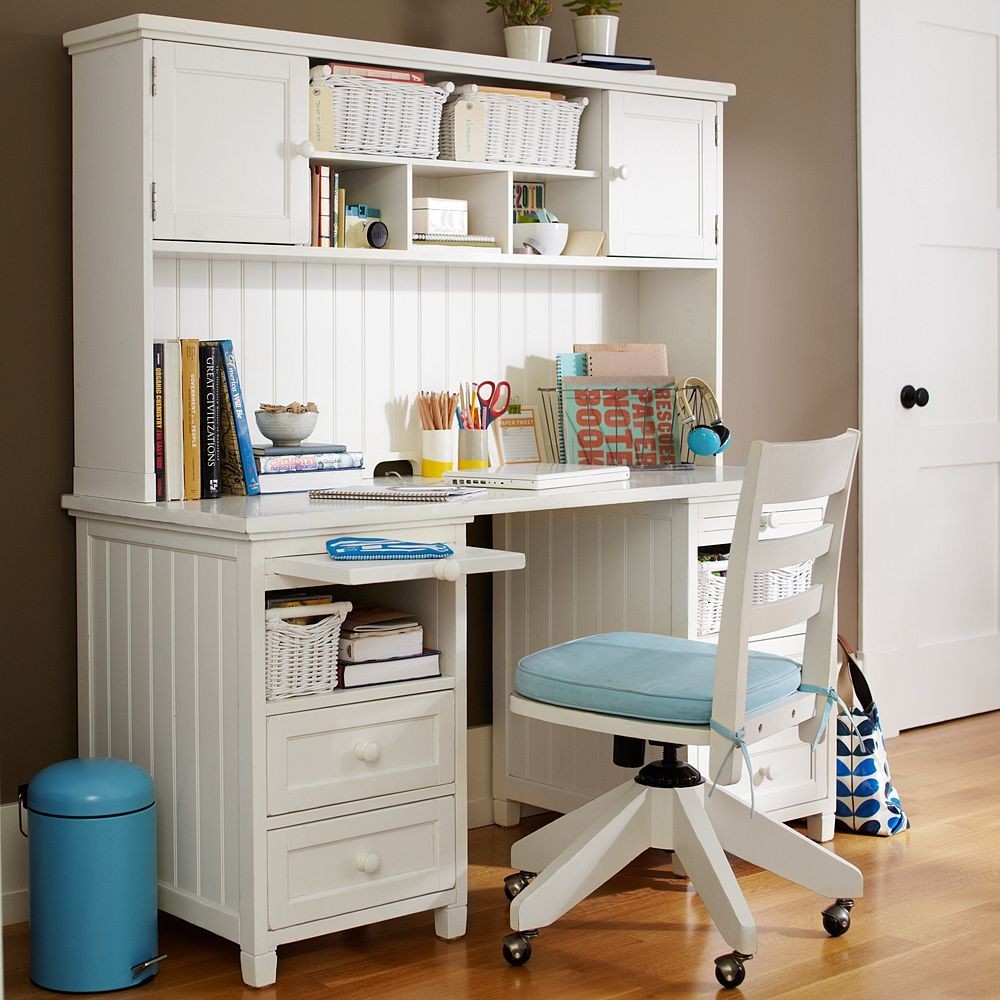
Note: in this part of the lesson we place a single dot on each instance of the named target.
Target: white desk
(262, 813)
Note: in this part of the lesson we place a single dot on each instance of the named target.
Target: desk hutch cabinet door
(226, 131)
(661, 176)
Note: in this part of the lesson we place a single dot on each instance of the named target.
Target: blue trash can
(92, 875)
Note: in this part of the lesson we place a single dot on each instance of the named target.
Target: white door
(930, 233)
(227, 125)
(661, 176)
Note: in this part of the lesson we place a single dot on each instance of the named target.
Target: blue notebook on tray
(370, 549)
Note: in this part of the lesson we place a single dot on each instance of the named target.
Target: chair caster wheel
(837, 917)
(730, 970)
(517, 947)
(518, 882)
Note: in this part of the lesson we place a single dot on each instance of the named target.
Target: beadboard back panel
(361, 340)
(148, 615)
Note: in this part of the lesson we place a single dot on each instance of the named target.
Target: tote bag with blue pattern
(867, 801)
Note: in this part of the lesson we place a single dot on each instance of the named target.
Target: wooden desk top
(294, 512)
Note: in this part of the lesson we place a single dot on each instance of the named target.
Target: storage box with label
(441, 216)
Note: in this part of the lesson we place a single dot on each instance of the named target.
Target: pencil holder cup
(437, 453)
(473, 449)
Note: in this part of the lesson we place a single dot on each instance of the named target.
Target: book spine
(314, 206)
(159, 440)
(310, 463)
(240, 418)
(341, 213)
(191, 410)
(326, 212)
(371, 72)
(335, 210)
(211, 421)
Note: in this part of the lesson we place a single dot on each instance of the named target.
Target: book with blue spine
(251, 484)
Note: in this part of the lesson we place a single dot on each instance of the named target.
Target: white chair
(678, 692)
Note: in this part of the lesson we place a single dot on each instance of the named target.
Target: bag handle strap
(858, 680)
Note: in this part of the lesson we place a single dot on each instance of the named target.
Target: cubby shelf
(437, 255)
(449, 168)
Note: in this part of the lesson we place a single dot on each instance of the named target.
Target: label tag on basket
(470, 130)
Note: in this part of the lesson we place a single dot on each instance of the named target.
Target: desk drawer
(351, 752)
(355, 862)
(716, 521)
(786, 776)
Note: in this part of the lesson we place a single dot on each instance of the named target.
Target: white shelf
(423, 167)
(437, 255)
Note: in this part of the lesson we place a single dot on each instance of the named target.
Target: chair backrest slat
(781, 474)
(783, 613)
(777, 553)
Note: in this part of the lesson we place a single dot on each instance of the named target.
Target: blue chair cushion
(641, 676)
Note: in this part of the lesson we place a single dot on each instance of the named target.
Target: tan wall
(791, 264)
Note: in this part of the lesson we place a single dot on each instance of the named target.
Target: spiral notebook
(419, 494)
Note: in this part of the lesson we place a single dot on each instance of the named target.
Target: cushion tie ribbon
(831, 696)
(738, 740)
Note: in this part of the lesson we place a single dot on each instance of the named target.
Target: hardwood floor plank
(927, 927)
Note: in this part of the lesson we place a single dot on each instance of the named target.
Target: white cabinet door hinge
(152, 90)
(152, 199)
(716, 117)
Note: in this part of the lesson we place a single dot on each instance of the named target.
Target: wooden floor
(928, 926)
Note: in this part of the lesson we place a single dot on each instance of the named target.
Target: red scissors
(494, 398)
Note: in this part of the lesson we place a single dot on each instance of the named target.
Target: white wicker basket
(302, 659)
(771, 586)
(378, 116)
(522, 130)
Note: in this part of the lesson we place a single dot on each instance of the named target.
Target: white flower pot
(527, 41)
(596, 33)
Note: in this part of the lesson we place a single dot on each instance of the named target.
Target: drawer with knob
(335, 866)
(351, 752)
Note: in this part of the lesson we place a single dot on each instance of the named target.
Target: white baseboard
(13, 868)
(14, 859)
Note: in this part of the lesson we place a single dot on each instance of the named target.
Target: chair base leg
(769, 844)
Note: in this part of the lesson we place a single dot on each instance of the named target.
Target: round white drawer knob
(367, 750)
(623, 172)
(766, 521)
(766, 773)
(367, 862)
(447, 569)
(305, 148)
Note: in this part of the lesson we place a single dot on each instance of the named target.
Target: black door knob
(911, 397)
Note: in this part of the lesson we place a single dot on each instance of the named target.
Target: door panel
(226, 125)
(661, 176)
(930, 476)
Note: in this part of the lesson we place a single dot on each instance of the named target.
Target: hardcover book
(308, 448)
(239, 471)
(173, 425)
(310, 463)
(159, 444)
(426, 664)
(191, 409)
(210, 381)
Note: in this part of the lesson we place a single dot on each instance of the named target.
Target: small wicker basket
(521, 130)
(773, 585)
(378, 116)
(302, 659)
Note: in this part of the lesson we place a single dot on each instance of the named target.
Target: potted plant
(524, 34)
(595, 25)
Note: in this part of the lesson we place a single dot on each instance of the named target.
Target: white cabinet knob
(622, 173)
(766, 521)
(367, 862)
(764, 774)
(305, 148)
(448, 569)
(367, 750)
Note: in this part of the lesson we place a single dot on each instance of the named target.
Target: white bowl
(286, 428)
(549, 237)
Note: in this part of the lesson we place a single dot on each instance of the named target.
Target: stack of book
(201, 441)
(307, 466)
(593, 60)
(329, 206)
(379, 645)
